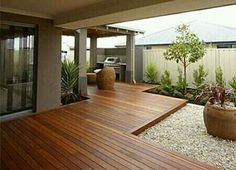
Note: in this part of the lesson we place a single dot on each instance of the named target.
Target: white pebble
(185, 132)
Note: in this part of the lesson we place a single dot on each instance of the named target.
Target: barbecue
(113, 62)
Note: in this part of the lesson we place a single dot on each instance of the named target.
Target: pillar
(80, 56)
(130, 54)
(93, 51)
(48, 93)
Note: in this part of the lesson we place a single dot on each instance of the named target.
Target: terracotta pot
(220, 122)
(106, 78)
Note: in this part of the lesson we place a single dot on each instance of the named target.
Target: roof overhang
(105, 31)
(74, 14)
(166, 44)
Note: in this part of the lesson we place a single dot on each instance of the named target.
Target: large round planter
(220, 122)
(106, 78)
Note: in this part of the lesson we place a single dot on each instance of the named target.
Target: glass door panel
(16, 68)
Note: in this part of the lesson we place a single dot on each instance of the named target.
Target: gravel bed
(185, 132)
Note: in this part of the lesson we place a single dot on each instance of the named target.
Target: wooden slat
(21, 152)
(94, 134)
(59, 154)
(127, 142)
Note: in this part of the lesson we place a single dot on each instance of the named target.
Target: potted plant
(219, 113)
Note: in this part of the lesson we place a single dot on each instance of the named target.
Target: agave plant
(69, 82)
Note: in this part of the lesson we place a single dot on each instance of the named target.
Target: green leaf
(69, 81)
(151, 73)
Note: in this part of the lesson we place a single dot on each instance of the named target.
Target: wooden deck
(93, 134)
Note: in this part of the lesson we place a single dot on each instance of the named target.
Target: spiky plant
(69, 82)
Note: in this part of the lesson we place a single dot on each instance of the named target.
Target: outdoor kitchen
(113, 57)
(125, 60)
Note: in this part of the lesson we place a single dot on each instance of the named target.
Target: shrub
(69, 82)
(165, 79)
(164, 92)
(90, 70)
(199, 76)
(166, 82)
(157, 89)
(181, 83)
(219, 76)
(151, 73)
(189, 97)
(177, 93)
(232, 83)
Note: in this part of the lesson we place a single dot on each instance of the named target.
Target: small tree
(186, 49)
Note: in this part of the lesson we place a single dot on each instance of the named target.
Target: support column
(93, 51)
(130, 54)
(48, 67)
(80, 56)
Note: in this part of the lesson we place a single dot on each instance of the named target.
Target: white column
(93, 51)
(80, 56)
(130, 54)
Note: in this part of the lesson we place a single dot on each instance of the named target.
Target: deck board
(93, 134)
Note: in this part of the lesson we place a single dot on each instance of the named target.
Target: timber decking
(92, 134)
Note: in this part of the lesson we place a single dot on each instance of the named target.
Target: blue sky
(224, 16)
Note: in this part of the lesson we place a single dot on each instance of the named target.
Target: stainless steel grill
(113, 62)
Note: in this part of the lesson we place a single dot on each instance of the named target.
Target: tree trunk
(185, 75)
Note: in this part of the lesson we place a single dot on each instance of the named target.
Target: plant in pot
(219, 113)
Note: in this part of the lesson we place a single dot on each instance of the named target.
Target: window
(148, 47)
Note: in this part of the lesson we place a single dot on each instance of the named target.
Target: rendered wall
(49, 67)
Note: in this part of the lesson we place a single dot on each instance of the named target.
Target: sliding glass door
(17, 64)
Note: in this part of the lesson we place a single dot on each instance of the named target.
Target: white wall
(226, 58)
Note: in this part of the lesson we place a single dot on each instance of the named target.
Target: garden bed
(190, 95)
(78, 99)
(185, 132)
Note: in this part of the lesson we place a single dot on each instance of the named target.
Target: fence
(225, 58)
